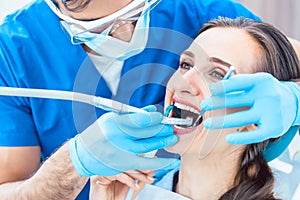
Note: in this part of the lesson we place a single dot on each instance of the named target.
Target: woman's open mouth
(183, 110)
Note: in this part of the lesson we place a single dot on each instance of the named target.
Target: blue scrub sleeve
(16, 123)
(212, 9)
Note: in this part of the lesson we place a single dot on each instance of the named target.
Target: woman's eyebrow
(220, 61)
(188, 53)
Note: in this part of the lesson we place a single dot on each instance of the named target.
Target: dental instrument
(99, 102)
(227, 75)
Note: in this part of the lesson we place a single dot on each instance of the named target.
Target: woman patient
(210, 167)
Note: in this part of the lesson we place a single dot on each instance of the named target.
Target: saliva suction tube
(99, 102)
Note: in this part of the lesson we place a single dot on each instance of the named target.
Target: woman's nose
(193, 83)
(193, 79)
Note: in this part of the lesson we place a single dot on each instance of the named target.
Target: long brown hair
(254, 179)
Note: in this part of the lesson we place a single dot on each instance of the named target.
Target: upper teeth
(185, 107)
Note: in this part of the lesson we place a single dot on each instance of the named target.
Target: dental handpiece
(115, 106)
(227, 75)
(99, 102)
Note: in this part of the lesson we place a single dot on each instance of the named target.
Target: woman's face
(206, 61)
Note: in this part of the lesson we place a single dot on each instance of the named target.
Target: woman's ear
(250, 127)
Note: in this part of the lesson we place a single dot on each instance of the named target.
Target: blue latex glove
(275, 149)
(111, 144)
(273, 106)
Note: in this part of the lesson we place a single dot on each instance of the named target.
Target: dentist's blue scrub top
(36, 53)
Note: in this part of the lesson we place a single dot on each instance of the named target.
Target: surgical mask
(87, 32)
(109, 46)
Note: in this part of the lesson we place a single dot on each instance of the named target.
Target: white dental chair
(286, 169)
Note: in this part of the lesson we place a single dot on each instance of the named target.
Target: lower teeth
(182, 114)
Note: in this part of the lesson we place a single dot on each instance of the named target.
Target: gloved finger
(143, 145)
(87, 163)
(231, 100)
(248, 137)
(145, 163)
(150, 108)
(157, 130)
(138, 120)
(239, 82)
(147, 145)
(241, 118)
(113, 131)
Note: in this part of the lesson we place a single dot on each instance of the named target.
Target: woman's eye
(185, 65)
(217, 75)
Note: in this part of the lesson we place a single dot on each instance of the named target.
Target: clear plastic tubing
(103, 103)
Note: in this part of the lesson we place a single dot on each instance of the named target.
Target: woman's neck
(207, 178)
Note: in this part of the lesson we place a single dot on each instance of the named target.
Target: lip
(175, 99)
(177, 129)
(182, 131)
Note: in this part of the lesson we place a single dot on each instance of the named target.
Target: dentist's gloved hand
(112, 143)
(274, 106)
